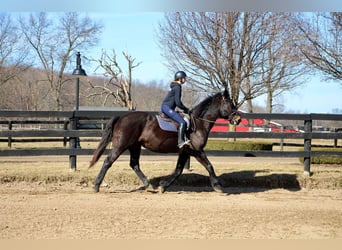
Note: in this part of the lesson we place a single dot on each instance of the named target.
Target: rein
(193, 118)
(206, 120)
(235, 112)
(203, 108)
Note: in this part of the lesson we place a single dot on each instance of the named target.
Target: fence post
(307, 145)
(282, 139)
(9, 138)
(65, 127)
(73, 143)
(335, 140)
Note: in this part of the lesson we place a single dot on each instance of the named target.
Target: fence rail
(78, 124)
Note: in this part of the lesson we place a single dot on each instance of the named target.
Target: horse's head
(228, 110)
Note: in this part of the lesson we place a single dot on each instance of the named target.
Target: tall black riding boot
(181, 132)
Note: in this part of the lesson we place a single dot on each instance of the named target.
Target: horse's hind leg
(108, 162)
(135, 151)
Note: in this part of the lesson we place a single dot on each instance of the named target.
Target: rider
(173, 100)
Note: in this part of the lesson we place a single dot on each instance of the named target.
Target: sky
(132, 25)
(135, 33)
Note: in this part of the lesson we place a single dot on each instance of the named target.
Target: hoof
(96, 189)
(151, 189)
(218, 188)
(162, 189)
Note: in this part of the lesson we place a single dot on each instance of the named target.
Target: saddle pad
(168, 125)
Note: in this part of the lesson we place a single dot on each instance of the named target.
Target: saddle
(167, 124)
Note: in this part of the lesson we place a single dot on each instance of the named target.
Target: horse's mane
(200, 109)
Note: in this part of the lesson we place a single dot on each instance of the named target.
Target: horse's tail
(105, 140)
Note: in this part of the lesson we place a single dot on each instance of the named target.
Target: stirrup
(183, 143)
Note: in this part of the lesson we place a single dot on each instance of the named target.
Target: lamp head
(78, 71)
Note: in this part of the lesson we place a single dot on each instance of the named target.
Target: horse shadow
(247, 181)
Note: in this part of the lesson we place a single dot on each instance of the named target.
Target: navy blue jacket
(173, 98)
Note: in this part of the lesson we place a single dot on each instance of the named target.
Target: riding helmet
(179, 75)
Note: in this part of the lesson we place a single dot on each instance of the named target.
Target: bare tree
(13, 53)
(281, 66)
(54, 41)
(239, 51)
(199, 43)
(323, 43)
(117, 83)
(143, 91)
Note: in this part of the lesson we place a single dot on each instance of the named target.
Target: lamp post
(78, 72)
(75, 141)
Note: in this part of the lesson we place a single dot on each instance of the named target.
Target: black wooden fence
(69, 126)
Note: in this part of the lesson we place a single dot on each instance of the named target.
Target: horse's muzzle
(235, 118)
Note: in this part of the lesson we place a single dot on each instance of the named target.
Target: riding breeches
(172, 114)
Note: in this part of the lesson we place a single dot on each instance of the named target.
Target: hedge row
(251, 146)
(238, 146)
(325, 159)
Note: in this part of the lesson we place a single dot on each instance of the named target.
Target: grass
(41, 145)
(244, 172)
(236, 172)
(216, 144)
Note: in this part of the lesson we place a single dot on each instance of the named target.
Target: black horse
(136, 129)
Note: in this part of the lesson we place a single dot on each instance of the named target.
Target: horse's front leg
(201, 157)
(135, 151)
(182, 159)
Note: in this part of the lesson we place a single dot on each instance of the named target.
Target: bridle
(234, 114)
(230, 117)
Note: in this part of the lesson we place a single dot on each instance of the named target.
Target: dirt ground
(56, 211)
(67, 210)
